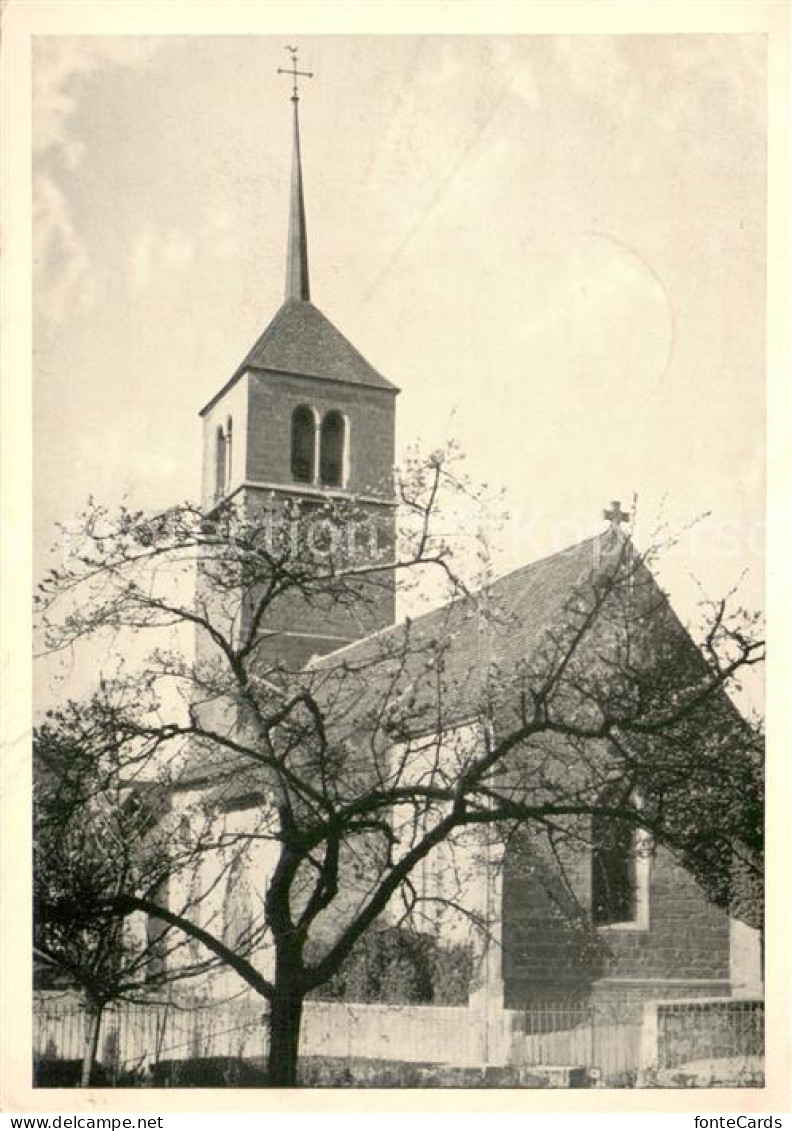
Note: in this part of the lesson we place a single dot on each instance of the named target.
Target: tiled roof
(467, 659)
(530, 597)
(522, 605)
(300, 339)
(520, 608)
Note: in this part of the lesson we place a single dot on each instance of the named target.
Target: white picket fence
(556, 1034)
(137, 1035)
(134, 1035)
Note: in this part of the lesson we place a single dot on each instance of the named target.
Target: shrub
(400, 967)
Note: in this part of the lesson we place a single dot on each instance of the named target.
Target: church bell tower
(305, 419)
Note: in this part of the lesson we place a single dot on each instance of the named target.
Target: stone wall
(369, 412)
(552, 950)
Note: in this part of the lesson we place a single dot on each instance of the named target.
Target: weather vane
(295, 74)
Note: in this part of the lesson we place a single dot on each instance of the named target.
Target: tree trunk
(93, 1023)
(284, 1039)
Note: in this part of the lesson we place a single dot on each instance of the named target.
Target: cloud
(64, 277)
(58, 61)
(158, 258)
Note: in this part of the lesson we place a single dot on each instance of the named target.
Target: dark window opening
(302, 445)
(220, 464)
(613, 895)
(332, 459)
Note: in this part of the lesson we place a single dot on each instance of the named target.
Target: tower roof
(301, 340)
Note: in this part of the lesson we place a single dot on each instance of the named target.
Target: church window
(237, 906)
(220, 463)
(619, 868)
(228, 438)
(303, 445)
(613, 872)
(333, 449)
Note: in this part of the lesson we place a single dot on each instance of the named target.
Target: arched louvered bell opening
(303, 445)
(332, 449)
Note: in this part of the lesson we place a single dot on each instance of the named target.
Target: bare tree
(102, 829)
(522, 708)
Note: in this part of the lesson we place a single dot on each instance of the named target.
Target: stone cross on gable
(614, 538)
(616, 516)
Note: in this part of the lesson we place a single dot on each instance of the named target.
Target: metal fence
(709, 1029)
(606, 1038)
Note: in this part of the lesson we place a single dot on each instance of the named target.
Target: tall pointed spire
(297, 282)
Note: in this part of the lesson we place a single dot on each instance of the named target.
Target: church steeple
(311, 421)
(297, 282)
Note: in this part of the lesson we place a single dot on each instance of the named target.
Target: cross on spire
(616, 516)
(294, 72)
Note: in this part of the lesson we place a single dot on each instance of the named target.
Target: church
(304, 419)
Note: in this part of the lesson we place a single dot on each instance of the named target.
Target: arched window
(619, 866)
(332, 449)
(303, 445)
(220, 463)
(229, 449)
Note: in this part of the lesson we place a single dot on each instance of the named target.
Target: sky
(554, 245)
